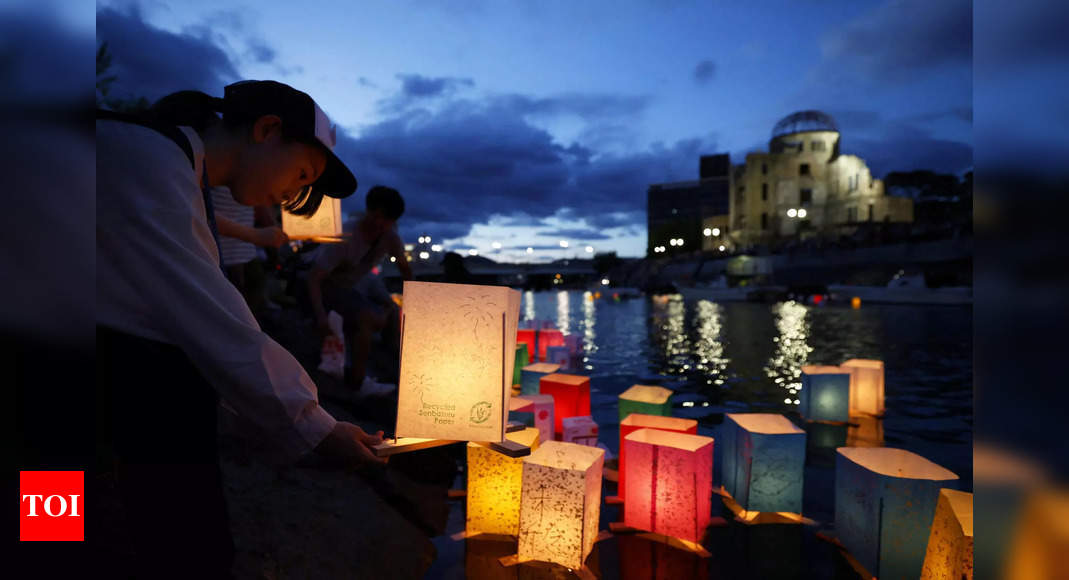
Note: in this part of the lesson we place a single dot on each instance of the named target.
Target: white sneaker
(373, 388)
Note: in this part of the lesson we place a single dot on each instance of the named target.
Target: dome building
(805, 186)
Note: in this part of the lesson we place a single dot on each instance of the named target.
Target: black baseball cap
(302, 117)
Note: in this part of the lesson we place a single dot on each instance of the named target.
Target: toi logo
(51, 506)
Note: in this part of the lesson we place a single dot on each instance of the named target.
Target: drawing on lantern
(478, 312)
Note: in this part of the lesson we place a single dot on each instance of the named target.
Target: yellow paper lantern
(494, 486)
(1040, 538)
(561, 503)
(458, 347)
(950, 544)
(866, 386)
(325, 225)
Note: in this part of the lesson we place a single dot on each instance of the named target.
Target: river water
(747, 357)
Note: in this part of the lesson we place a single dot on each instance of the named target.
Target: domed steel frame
(804, 121)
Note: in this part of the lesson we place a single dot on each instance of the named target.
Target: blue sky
(530, 122)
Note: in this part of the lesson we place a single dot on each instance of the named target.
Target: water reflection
(528, 305)
(709, 348)
(589, 318)
(563, 318)
(784, 367)
(671, 335)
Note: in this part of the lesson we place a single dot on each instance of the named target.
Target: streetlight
(436, 248)
(721, 247)
(496, 245)
(801, 213)
(564, 243)
(393, 259)
(679, 241)
(424, 255)
(792, 212)
(473, 252)
(708, 232)
(604, 281)
(716, 231)
(590, 249)
(530, 250)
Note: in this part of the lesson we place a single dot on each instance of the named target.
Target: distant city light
(604, 281)
(530, 250)
(564, 243)
(409, 247)
(792, 212)
(708, 232)
(473, 252)
(428, 239)
(496, 245)
(589, 249)
(392, 259)
(672, 242)
(721, 247)
(424, 255)
(436, 248)
(679, 242)
(716, 231)
(801, 213)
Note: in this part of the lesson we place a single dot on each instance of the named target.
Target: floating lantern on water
(494, 486)
(521, 361)
(529, 337)
(669, 483)
(637, 421)
(763, 461)
(548, 337)
(885, 500)
(950, 544)
(825, 394)
(457, 354)
(1040, 536)
(534, 411)
(866, 386)
(571, 396)
(561, 503)
(855, 302)
(581, 430)
(646, 400)
(531, 374)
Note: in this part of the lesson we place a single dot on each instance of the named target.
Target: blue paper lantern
(885, 501)
(763, 461)
(532, 374)
(559, 355)
(825, 394)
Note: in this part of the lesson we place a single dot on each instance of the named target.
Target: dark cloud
(366, 82)
(901, 37)
(260, 52)
(418, 86)
(575, 234)
(149, 62)
(704, 72)
(590, 107)
(907, 150)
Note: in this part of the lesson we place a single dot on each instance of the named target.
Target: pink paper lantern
(636, 421)
(547, 338)
(669, 483)
(571, 396)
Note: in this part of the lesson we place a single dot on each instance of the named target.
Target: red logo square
(51, 506)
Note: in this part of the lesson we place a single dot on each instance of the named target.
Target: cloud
(575, 234)
(901, 37)
(704, 72)
(417, 86)
(149, 62)
(366, 82)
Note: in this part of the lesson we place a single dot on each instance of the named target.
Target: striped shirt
(234, 251)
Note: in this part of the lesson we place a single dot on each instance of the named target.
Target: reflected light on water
(589, 319)
(562, 311)
(528, 305)
(669, 318)
(792, 349)
(709, 350)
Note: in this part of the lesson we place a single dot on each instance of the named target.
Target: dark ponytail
(188, 108)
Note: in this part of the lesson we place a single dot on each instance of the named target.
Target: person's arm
(264, 215)
(268, 237)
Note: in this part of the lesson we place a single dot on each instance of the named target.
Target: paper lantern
(559, 355)
(521, 361)
(637, 421)
(825, 394)
(531, 374)
(574, 342)
(669, 483)
(528, 336)
(1040, 536)
(494, 486)
(581, 430)
(535, 411)
(763, 461)
(646, 400)
(950, 545)
(457, 354)
(325, 225)
(885, 500)
(866, 386)
(561, 503)
(548, 338)
(643, 557)
(571, 396)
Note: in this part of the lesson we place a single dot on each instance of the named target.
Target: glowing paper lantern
(646, 400)
(637, 421)
(763, 461)
(571, 396)
(950, 544)
(535, 411)
(574, 342)
(521, 361)
(669, 483)
(1040, 537)
(825, 394)
(561, 503)
(866, 386)
(547, 338)
(885, 500)
(531, 374)
(559, 355)
(325, 225)
(528, 336)
(580, 430)
(494, 486)
(457, 353)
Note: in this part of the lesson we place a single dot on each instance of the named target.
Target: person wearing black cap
(174, 337)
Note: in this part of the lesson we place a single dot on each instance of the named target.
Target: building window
(870, 212)
(805, 197)
(803, 169)
(764, 192)
(817, 145)
(851, 214)
(764, 221)
(764, 169)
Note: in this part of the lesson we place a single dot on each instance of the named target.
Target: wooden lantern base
(752, 517)
(861, 571)
(620, 528)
